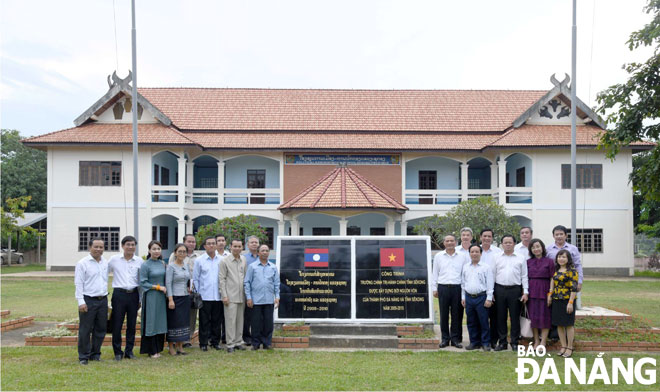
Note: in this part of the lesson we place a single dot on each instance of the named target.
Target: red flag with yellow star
(392, 257)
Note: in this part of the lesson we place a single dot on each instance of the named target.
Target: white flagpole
(135, 133)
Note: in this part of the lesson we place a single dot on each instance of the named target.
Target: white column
(221, 186)
(181, 231)
(404, 227)
(403, 180)
(280, 229)
(282, 157)
(189, 227)
(182, 182)
(191, 173)
(501, 180)
(464, 181)
(295, 227)
(389, 227)
(493, 177)
(343, 223)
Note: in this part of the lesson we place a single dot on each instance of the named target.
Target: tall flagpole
(136, 225)
(573, 131)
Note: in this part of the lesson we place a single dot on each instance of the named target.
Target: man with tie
(125, 297)
(511, 288)
(91, 281)
(446, 285)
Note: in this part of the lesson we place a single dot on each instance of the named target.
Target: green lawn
(14, 269)
(277, 370)
(637, 297)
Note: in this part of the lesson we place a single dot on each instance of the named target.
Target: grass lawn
(637, 297)
(648, 274)
(278, 370)
(14, 269)
(49, 299)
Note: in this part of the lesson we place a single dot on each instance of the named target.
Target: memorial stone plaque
(315, 279)
(358, 278)
(391, 279)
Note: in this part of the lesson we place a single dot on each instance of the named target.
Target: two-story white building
(331, 162)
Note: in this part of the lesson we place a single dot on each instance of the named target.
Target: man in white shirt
(466, 241)
(91, 280)
(191, 243)
(222, 252)
(125, 297)
(522, 248)
(205, 278)
(488, 255)
(511, 288)
(446, 286)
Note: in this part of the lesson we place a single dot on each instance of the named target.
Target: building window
(321, 231)
(256, 179)
(588, 176)
(377, 231)
(110, 236)
(99, 173)
(428, 179)
(270, 234)
(353, 230)
(162, 234)
(588, 240)
(520, 177)
(410, 230)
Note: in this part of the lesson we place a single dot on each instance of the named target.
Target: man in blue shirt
(205, 281)
(262, 291)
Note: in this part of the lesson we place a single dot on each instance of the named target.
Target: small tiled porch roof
(343, 188)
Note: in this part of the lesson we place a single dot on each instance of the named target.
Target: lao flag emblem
(316, 257)
(392, 257)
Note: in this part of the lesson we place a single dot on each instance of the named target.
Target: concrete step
(353, 329)
(353, 341)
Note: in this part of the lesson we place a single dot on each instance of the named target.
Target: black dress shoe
(443, 344)
(186, 345)
(204, 348)
(129, 355)
(457, 345)
(181, 353)
(268, 347)
(118, 357)
(217, 347)
(472, 347)
(239, 347)
(83, 362)
(98, 359)
(486, 348)
(255, 348)
(499, 348)
(514, 347)
(230, 350)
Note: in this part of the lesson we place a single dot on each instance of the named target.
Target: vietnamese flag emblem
(392, 257)
(316, 257)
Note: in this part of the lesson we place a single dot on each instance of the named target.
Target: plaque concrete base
(353, 336)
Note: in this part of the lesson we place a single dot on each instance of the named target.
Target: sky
(55, 56)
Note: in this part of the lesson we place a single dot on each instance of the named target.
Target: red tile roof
(97, 133)
(342, 140)
(551, 135)
(341, 110)
(340, 189)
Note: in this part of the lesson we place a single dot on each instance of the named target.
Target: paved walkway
(15, 337)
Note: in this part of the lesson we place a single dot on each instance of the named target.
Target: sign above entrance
(336, 159)
(354, 279)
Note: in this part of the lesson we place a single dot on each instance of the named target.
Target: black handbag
(196, 300)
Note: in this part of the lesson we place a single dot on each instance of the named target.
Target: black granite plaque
(391, 279)
(315, 279)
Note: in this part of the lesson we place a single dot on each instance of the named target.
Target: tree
(23, 171)
(646, 211)
(235, 228)
(477, 214)
(634, 108)
(9, 218)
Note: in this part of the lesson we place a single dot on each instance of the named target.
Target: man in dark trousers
(446, 284)
(91, 280)
(511, 291)
(125, 298)
(262, 293)
(205, 281)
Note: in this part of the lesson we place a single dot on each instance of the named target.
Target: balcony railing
(229, 196)
(252, 196)
(513, 195)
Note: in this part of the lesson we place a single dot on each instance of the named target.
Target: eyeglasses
(181, 251)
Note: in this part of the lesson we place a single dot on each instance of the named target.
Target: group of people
(491, 284)
(238, 291)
